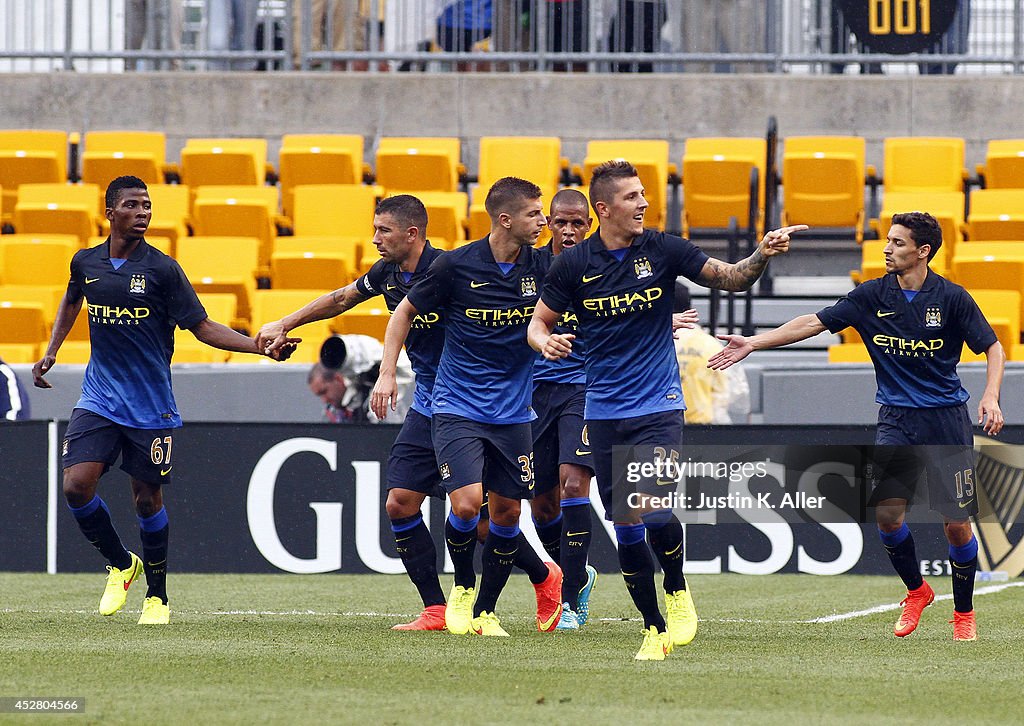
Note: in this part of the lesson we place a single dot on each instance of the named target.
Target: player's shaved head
(509, 194)
(406, 209)
(569, 199)
(119, 184)
(606, 177)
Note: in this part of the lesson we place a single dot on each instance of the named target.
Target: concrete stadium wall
(576, 108)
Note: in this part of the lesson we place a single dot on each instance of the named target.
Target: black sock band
(638, 572)
(499, 556)
(577, 531)
(419, 555)
(530, 562)
(461, 547)
(666, 538)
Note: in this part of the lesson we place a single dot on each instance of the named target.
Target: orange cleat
(964, 627)
(432, 618)
(913, 605)
(549, 599)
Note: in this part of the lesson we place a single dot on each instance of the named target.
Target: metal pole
(1018, 32)
(68, 29)
(305, 36)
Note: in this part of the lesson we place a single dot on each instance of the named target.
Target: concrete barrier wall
(576, 108)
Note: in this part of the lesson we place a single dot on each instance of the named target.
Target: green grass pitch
(318, 649)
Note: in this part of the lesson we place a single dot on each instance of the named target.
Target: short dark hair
(924, 229)
(122, 182)
(407, 210)
(570, 198)
(681, 301)
(606, 175)
(508, 194)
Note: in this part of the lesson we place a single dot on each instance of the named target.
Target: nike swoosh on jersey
(474, 284)
(591, 278)
(582, 453)
(89, 282)
(880, 314)
(964, 505)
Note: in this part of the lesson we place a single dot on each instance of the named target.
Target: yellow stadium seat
(110, 154)
(223, 264)
(318, 159)
(537, 158)
(80, 329)
(22, 323)
(270, 305)
(335, 210)
(73, 352)
(416, 164)
(946, 207)
(30, 157)
(823, 182)
(1004, 164)
(213, 162)
(446, 217)
(352, 249)
(20, 352)
(996, 214)
(170, 211)
(923, 164)
(306, 270)
(990, 265)
(221, 307)
(848, 353)
(242, 212)
(58, 209)
(650, 157)
(49, 296)
(1002, 310)
(872, 263)
(31, 260)
(367, 318)
(716, 182)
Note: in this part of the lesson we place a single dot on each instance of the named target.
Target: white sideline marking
(896, 606)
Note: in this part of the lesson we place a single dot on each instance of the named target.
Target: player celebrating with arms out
(914, 323)
(136, 295)
(620, 282)
(481, 424)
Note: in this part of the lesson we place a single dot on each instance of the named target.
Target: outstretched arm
(989, 413)
(67, 311)
(740, 276)
(738, 347)
(385, 392)
(273, 335)
(221, 336)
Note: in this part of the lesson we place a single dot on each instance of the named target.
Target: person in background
(346, 374)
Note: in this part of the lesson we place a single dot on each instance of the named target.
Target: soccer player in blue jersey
(135, 296)
(914, 323)
(563, 465)
(486, 291)
(620, 282)
(399, 226)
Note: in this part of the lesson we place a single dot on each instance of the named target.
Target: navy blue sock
(500, 551)
(460, 536)
(964, 560)
(576, 534)
(638, 571)
(153, 530)
(94, 520)
(529, 561)
(899, 545)
(419, 555)
(550, 536)
(665, 534)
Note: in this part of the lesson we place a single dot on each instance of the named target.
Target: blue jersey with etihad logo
(569, 369)
(487, 365)
(625, 315)
(914, 344)
(426, 337)
(132, 313)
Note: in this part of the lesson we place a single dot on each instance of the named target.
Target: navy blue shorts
(934, 443)
(498, 455)
(663, 429)
(559, 435)
(412, 464)
(146, 454)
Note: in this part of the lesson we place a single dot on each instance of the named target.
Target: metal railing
(678, 36)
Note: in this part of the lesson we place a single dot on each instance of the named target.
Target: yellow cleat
(488, 624)
(155, 612)
(681, 622)
(118, 582)
(656, 645)
(458, 616)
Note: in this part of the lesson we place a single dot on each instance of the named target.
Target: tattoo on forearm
(735, 277)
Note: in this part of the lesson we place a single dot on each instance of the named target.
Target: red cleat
(432, 618)
(913, 605)
(549, 599)
(964, 627)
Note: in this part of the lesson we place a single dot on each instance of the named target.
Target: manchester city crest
(642, 268)
(528, 286)
(933, 317)
(446, 472)
(137, 286)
